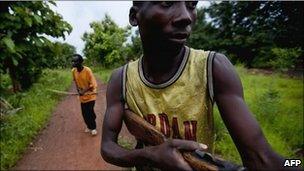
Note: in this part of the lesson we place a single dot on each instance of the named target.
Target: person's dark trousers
(88, 114)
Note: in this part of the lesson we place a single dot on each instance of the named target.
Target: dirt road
(63, 144)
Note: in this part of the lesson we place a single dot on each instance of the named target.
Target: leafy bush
(23, 30)
(285, 58)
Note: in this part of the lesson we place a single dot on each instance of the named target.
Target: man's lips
(180, 36)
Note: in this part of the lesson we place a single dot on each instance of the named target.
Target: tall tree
(248, 31)
(22, 35)
(134, 48)
(106, 43)
(60, 53)
(203, 34)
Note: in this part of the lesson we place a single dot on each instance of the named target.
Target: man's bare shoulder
(226, 79)
(114, 88)
(222, 65)
(220, 59)
(116, 77)
(117, 72)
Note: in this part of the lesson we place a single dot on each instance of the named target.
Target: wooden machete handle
(149, 135)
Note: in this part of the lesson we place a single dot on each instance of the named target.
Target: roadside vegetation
(102, 73)
(276, 102)
(36, 105)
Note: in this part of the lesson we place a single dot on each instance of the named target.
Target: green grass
(125, 143)
(18, 130)
(277, 104)
(102, 73)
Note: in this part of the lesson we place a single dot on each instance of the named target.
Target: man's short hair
(138, 3)
(79, 57)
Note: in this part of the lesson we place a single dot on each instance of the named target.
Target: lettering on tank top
(190, 127)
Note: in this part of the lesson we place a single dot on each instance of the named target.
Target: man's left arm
(246, 133)
(92, 83)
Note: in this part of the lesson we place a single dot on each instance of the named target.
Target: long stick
(62, 92)
(70, 93)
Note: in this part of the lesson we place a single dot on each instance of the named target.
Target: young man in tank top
(172, 86)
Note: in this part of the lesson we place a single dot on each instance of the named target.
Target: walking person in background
(86, 87)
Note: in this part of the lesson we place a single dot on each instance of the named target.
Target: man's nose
(182, 17)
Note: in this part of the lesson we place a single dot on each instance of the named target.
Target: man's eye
(191, 4)
(166, 3)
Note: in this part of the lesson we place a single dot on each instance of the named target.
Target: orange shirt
(85, 79)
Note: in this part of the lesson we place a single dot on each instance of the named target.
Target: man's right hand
(167, 155)
(81, 91)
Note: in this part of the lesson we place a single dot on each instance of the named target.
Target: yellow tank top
(179, 108)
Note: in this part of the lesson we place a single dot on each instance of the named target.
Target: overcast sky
(81, 13)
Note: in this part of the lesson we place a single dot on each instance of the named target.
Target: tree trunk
(16, 84)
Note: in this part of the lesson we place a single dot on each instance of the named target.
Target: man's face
(166, 23)
(76, 62)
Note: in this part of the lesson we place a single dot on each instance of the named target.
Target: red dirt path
(63, 144)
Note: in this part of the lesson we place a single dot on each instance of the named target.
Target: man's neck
(159, 65)
(80, 68)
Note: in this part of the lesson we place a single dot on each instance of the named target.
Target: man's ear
(133, 15)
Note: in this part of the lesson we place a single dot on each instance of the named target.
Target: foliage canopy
(23, 30)
(248, 31)
(105, 45)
